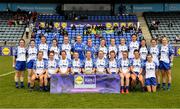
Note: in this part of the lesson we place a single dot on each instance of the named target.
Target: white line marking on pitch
(7, 73)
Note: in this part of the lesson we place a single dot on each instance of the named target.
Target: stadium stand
(12, 28)
(161, 24)
(124, 18)
(87, 31)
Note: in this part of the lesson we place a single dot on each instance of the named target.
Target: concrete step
(145, 30)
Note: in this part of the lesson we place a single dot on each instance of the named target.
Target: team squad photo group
(134, 62)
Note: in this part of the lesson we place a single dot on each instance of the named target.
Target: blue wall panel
(44, 8)
(130, 8)
(172, 7)
(3, 6)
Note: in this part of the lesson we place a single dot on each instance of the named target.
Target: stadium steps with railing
(27, 40)
(144, 27)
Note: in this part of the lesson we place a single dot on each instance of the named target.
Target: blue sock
(41, 88)
(22, 84)
(46, 88)
(163, 84)
(169, 85)
(159, 85)
(28, 85)
(17, 85)
(122, 87)
(127, 87)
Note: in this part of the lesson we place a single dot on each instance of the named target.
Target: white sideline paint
(5, 74)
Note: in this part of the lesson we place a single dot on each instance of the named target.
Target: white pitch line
(7, 73)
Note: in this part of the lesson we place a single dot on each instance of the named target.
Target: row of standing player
(165, 53)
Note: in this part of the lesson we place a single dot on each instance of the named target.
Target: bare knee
(133, 77)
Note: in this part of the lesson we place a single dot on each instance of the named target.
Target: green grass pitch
(22, 98)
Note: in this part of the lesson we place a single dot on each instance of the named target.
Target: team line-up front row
(135, 62)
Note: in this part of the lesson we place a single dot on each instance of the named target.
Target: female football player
(113, 66)
(66, 46)
(32, 56)
(133, 45)
(124, 71)
(112, 46)
(52, 68)
(101, 63)
(154, 50)
(40, 68)
(64, 64)
(122, 47)
(90, 47)
(166, 59)
(19, 62)
(55, 48)
(43, 46)
(150, 75)
(79, 47)
(143, 50)
(103, 47)
(137, 65)
(89, 64)
(76, 64)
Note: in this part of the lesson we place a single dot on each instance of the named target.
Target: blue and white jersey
(92, 49)
(44, 48)
(133, 46)
(88, 65)
(64, 65)
(40, 66)
(56, 52)
(80, 48)
(20, 53)
(104, 49)
(155, 54)
(52, 66)
(124, 65)
(112, 48)
(143, 52)
(165, 53)
(113, 66)
(121, 48)
(67, 48)
(137, 64)
(32, 53)
(150, 68)
(101, 65)
(76, 65)
(38, 31)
